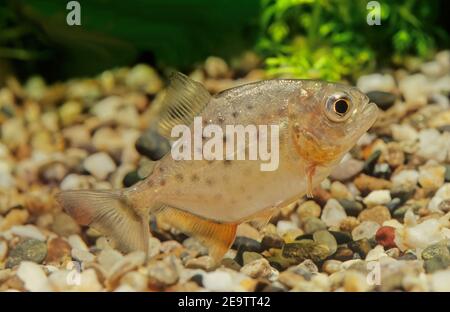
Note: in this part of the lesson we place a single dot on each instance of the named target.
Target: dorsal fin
(184, 100)
(218, 237)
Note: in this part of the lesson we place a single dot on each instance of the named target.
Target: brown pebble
(378, 214)
(348, 224)
(366, 184)
(58, 250)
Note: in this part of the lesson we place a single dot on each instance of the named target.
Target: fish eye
(338, 108)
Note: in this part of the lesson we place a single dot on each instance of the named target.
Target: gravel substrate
(379, 222)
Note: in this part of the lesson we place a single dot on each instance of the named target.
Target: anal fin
(218, 237)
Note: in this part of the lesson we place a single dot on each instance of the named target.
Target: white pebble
(82, 255)
(76, 242)
(404, 132)
(378, 197)
(6, 179)
(415, 88)
(333, 213)
(366, 229)
(440, 281)
(376, 253)
(376, 82)
(406, 179)
(284, 226)
(218, 281)
(28, 230)
(442, 193)
(33, 276)
(100, 165)
(3, 250)
(433, 145)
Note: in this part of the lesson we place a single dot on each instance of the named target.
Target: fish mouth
(369, 113)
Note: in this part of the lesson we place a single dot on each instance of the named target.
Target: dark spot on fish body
(195, 178)
(162, 182)
(227, 162)
(179, 177)
(235, 114)
(249, 107)
(209, 181)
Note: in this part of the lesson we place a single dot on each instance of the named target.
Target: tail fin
(111, 213)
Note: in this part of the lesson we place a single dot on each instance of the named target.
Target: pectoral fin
(218, 237)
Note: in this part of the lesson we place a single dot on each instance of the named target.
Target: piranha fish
(318, 123)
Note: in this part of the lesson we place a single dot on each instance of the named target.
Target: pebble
(27, 250)
(108, 258)
(415, 89)
(14, 217)
(218, 281)
(431, 176)
(313, 224)
(231, 264)
(340, 191)
(361, 246)
(260, 268)
(27, 231)
(64, 225)
(440, 281)
(76, 242)
(131, 178)
(308, 209)
(356, 282)
(82, 255)
(437, 263)
(366, 229)
(271, 241)
(216, 67)
(433, 145)
(378, 214)
(246, 244)
(100, 165)
(145, 78)
(369, 164)
(348, 224)
(152, 145)
(195, 245)
(333, 213)
(367, 184)
(376, 82)
(347, 169)
(3, 250)
(33, 277)
(378, 197)
(58, 250)
(162, 273)
(343, 254)
(351, 207)
(283, 226)
(418, 235)
(405, 179)
(205, 263)
(442, 194)
(305, 249)
(385, 236)
(384, 100)
(324, 237)
(331, 266)
(135, 280)
(404, 133)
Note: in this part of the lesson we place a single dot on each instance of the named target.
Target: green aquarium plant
(331, 39)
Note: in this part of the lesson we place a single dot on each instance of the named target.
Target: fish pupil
(341, 107)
